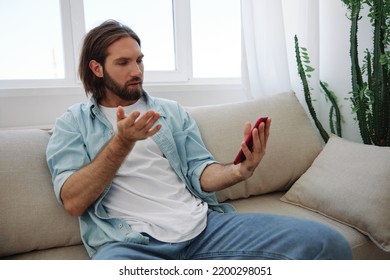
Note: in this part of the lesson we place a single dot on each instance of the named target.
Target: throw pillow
(349, 182)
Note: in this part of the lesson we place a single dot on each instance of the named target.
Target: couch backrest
(31, 218)
(293, 144)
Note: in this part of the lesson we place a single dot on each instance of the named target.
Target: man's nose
(136, 70)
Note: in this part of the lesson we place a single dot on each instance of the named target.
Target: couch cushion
(31, 217)
(292, 147)
(76, 252)
(349, 182)
(362, 247)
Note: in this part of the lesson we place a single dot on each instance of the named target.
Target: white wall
(25, 108)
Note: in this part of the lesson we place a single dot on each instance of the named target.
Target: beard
(122, 91)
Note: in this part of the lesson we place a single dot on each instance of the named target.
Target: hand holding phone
(249, 141)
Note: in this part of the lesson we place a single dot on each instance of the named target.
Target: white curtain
(322, 26)
(268, 29)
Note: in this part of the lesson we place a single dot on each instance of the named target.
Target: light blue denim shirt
(82, 131)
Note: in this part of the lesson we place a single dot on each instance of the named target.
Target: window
(31, 45)
(216, 38)
(156, 30)
(183, 40)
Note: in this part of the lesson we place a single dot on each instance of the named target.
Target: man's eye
(122, 63)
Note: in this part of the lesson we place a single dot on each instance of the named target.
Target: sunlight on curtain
(268, 29)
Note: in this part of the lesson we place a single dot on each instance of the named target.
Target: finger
(120, 113)
(257, 139)
(147, 120)
(267, 130)
(268, 126)
(131, 119)
(246, 151)
(247, 129)
(261, 133)
(154, 116)
(154, 130)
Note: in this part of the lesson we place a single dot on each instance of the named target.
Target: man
(136, 172)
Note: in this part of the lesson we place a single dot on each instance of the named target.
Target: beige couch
(34, 226)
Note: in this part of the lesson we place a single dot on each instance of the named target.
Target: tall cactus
(359, 98)
(371, 98)
(304, 71)
(379, 13)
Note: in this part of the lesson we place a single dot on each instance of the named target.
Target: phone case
(249, 141)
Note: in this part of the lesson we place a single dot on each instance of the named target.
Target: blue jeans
(242, 236)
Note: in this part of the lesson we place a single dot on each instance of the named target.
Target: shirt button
(120, 226)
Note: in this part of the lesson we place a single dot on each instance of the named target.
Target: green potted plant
(304, 71)
(370, 96)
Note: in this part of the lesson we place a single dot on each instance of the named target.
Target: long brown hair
(95, 46)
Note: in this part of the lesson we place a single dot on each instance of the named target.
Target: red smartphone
(249, 141)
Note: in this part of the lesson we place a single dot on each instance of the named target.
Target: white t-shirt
(147, 193)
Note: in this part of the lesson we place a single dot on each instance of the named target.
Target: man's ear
(96, 68)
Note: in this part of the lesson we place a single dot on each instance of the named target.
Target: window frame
(73, 30)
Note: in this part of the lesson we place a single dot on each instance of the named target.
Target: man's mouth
(134, 84)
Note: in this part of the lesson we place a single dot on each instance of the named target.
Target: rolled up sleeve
(65, 153)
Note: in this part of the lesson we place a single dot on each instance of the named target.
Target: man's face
(123, 73)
